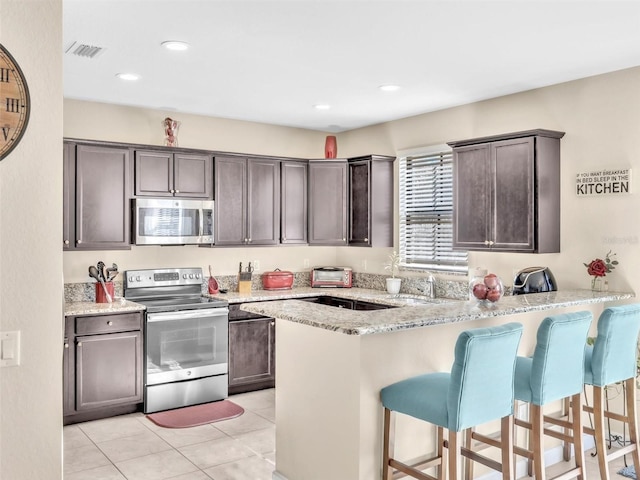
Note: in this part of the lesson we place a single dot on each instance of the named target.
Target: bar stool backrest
(481, 388)
(615, 350)
(557, 370)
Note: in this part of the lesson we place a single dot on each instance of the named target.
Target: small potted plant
(393, 283)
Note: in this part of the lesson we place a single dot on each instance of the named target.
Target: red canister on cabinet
(277, 280)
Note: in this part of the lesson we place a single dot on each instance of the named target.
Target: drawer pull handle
(66, 345)
(79, 344)
(109, 323)
(273, 323)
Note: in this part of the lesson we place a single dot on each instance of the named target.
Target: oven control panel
(163, 277)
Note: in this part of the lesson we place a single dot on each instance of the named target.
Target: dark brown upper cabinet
(169, 174)
(96, 197)
(328, 202)
(247, 201)
(507, 192)
(293, 202)
(371, 201)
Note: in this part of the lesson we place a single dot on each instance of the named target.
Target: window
(426, 212)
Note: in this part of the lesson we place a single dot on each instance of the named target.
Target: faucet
(429, 286)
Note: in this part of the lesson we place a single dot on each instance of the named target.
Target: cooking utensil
(101, 266)
(112, 272)
(212, 284)
(95, 273)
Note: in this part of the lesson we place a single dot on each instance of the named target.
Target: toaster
(534, 280)
(331, 277)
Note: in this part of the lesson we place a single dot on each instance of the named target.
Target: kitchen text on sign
(604, 182)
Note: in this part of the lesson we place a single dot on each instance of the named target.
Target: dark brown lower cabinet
(102, 366)
(252, 349)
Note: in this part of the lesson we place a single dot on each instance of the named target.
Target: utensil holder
(101, 297)
(244, 283)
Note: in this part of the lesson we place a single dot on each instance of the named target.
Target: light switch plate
(9, 348)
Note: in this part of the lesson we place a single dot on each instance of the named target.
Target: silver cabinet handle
(273, 323)
(486, 242)
(366, 239)
(491, 242)
(66, 345)
(177, 191)
(109, 323)
(79, 344)
(66, 242)
(172, 191)
(79, 242)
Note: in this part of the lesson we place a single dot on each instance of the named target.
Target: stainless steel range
(185, 339)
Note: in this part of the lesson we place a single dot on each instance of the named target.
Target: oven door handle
(184, 315)
(201, 226)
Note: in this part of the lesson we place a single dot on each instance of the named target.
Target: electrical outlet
(256, 265)
(305, 262)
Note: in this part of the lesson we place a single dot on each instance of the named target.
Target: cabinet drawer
(108, 323)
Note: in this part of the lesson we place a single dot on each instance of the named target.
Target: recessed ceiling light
(322, 106)
(389, 88)
(128, 76)
(175, 45)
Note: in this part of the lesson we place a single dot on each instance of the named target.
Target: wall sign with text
(610, 181)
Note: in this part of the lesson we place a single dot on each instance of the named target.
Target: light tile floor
(130, 447)
(133, 448)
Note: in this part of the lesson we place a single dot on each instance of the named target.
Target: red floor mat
(196, 415)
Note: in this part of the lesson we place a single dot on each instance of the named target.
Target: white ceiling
(271, 61)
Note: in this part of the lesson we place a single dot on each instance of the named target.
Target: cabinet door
(154, 174)
(102, 198)
(472, 196)
(263, 202)
(293, 203)
(68, 194)
(251, 355)
(328, 203)
(192, 176)
(108, 370)
(230, 201)
(359, 203)
(513, 195)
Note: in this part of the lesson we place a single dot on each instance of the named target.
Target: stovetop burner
(168, 289)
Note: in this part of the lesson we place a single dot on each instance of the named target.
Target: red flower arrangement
(599, 268)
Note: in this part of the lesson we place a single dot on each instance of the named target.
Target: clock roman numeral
(5, 132)
(13, 105)
(4, 75)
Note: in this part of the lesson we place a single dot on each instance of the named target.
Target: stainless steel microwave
(172, 221)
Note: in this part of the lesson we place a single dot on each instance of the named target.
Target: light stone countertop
(353, 322)
(119, 305)
(369, 295)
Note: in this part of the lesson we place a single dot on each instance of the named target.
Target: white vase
(393, 285)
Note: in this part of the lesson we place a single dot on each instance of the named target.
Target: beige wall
(99, 121)
(600, 115)
(601, 118)
(30, 257)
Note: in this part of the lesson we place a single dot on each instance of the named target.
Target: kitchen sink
(408, 299)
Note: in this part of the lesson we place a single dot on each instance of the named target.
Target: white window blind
(426, 213)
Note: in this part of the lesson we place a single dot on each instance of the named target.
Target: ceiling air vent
(83, 50)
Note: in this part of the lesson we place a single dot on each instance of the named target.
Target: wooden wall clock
(15, 104)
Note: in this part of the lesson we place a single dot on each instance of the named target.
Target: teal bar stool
(478, 390)
(555, 372)
(612, 359)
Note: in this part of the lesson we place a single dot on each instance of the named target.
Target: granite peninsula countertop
(353, 322)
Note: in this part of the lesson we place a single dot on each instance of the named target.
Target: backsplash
(86, 292)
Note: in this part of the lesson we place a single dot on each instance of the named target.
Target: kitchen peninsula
(333, 362)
